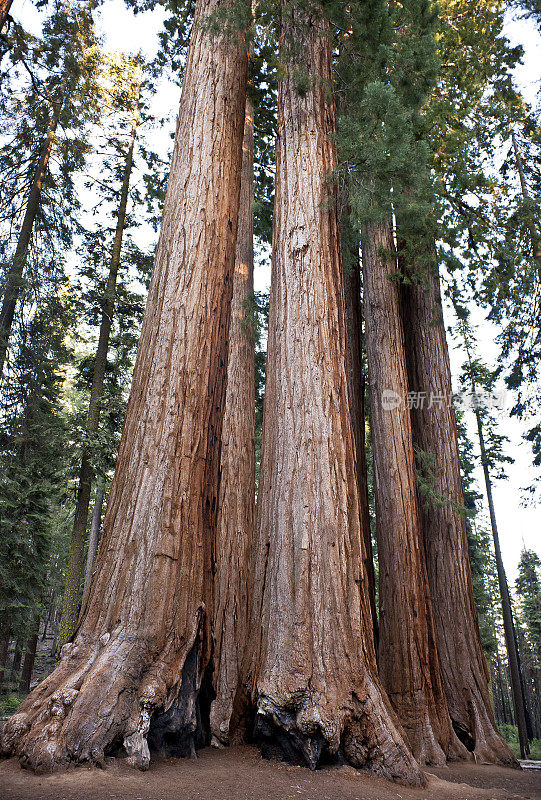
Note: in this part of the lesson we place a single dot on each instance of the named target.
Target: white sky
(123, 31)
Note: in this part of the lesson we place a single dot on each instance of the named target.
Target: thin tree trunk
(94, 537)
(507, 613)
(312, 677)
(70, 604)
(5, 6)
(16, 661)
(408, 657)
(496, 692)
(14, 279)
(29, 659)
(534, 234)
(352, 292)
(4, 650)
(235, 528)
(138, 660)
(465, 674)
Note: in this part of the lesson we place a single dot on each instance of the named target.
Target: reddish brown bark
(408, 657)
(138, 660)
(312, 674)
(235, 528)
(464, 669)
(5, 6)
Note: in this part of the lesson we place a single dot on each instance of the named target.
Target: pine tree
(476, 377)
(128, 74)
(62, 95)
(34, 429)
(528, 593)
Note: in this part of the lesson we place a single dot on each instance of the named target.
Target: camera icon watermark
(480, 399)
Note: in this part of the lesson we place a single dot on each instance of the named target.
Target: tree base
(108, 695)
(296, 732)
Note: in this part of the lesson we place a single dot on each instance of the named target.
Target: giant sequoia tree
(312, 673)
(465, 675)
(137, 664)
(408, 655)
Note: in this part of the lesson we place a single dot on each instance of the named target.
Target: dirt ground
(239, 773)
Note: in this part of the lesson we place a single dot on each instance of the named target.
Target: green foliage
(10, 704)
(33, 437)
(510, 734)
(387, 65)
(528, 592)
(427, 482)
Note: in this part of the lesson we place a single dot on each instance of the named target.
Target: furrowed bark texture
(312, 678)
(352, 291)
(70, 603)
(136, 666)
(408, 657)
(235, 528)
(464, 670)
(14, 279)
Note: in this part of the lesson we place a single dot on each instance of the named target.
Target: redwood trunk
(70, 604)
(137, 663)
(5, 6)
(235, 526)
(408, 657)
(465, 674)
(14, 279)
(312, 674)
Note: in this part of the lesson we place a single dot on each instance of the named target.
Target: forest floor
(239, 773)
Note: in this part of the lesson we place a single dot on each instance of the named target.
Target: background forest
(86, 134)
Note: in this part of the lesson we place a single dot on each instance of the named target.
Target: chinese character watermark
(480, 399)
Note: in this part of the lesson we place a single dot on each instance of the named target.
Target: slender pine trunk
(70, 604)
(507, 613)
(14, 280)
(94, 537)
(4, 650)
(29, 658)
